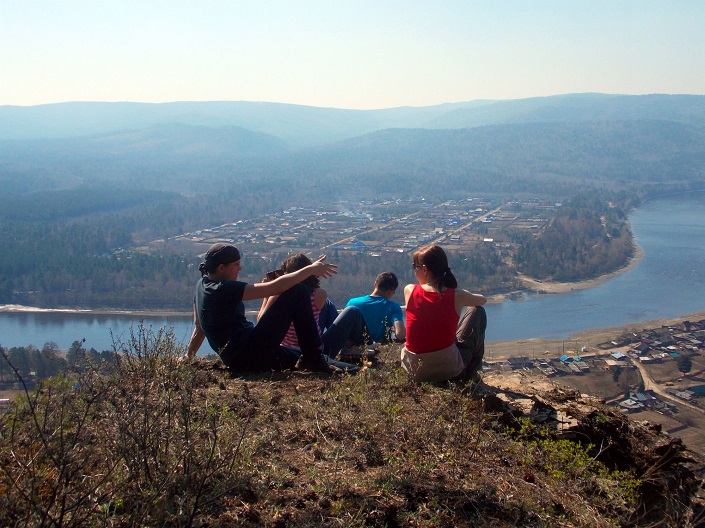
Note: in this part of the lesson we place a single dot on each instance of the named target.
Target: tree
(19, 358)
(685, 364)
(76, 355)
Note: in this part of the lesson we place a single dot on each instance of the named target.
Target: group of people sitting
(299, 328)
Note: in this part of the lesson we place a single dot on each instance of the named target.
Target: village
(655, 375)
(373, 227)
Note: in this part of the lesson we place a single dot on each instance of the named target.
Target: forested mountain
(529, 157)
(303, 126)
(80, 180)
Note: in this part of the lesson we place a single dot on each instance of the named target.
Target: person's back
(431, 320)
(440, 343)
(382, 315)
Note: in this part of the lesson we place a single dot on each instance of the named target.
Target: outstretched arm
(286, 281)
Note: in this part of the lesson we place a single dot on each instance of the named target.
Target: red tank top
(431, 320)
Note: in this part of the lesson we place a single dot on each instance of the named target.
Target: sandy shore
(98, 311)
(538, 286)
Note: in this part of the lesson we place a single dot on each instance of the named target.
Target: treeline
(588, 237)
(63, 248)
(33, 364)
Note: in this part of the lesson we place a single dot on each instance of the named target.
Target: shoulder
(408, 289)
(236, 286)
(356, 301)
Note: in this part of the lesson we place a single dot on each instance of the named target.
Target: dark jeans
(347, 329)
(470, 340)
(263, 351)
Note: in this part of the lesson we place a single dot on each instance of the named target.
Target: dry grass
(163, 443)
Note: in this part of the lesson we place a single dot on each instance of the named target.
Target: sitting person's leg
(470, 339)
(347, 329)
(294, 305)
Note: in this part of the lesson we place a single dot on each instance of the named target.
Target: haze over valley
(94, 186)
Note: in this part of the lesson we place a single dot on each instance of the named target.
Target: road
(650, 384)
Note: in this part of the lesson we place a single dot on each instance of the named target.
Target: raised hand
(323, 269)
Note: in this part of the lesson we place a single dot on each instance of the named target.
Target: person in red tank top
(440, 343)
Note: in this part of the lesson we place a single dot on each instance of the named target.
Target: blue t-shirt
(379, 314)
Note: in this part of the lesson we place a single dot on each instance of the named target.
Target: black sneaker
(316, 364)
(354, 353)
(348, 368)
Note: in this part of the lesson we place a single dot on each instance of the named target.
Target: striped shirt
(290, 339)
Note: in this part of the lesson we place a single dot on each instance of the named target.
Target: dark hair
(295, 262)
(216, 255)
(436, 262)
(386, 281)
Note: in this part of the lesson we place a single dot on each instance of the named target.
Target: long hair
(436, 262)
(295, 262)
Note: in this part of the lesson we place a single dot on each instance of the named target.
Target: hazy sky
(346, 54)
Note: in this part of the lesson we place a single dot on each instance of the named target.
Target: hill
(159, 442)
(305, 126)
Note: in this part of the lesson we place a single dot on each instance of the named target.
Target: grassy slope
(166, 443)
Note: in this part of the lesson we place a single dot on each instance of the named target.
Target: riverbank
(537, 286)
(18, 308)
(529, 285)
(495, 349)
(540, 347)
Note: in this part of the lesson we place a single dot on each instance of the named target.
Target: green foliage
(588, 237)
(574, 465)
(161, 442)
(685, 364)
(31, 363)
(138, 447)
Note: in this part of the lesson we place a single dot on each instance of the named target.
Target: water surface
(668, 281)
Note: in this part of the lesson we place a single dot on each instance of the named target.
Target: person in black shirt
(219, 315)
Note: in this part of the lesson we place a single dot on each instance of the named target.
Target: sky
(362, 54)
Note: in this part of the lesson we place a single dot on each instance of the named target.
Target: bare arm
(283, 283)
(399, 330)
(465, 298)
(266, 301)
(407, 292)
(319, 297)
(197, 337)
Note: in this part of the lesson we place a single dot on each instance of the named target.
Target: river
(668, 281)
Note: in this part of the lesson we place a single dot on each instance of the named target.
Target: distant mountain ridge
(306, 126)
(550, 144)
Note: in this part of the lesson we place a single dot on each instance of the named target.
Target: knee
(482, 316)
(351, 311)
(297, 290)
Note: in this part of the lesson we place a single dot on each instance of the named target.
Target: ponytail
(449, 280)
(436, 262)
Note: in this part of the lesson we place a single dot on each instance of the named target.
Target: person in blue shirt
(382, 315)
